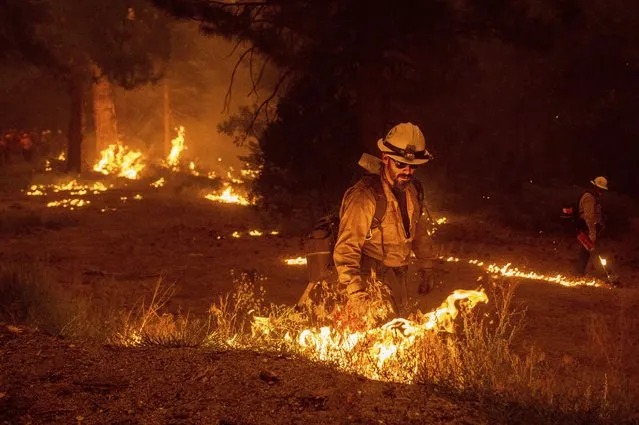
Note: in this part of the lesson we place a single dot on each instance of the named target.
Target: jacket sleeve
(589, 207)
(356, 215)
(423, 244)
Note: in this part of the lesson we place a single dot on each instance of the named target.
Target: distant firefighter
(590, 222)
(26, 144)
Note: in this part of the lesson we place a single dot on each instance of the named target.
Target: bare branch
(251, 70)
(256, 83)
(227, 97)
(264, 105)
(233, 50)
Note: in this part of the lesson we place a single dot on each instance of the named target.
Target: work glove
(426, 280)
(357, 302)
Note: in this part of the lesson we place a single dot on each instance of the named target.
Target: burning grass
(464, 346)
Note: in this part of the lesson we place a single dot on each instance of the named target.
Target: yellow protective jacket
(387, 243)
(590, 212)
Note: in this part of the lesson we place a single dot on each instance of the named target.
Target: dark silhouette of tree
(506, 92)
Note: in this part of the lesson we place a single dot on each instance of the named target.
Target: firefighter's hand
(358, 302)
(426, 280)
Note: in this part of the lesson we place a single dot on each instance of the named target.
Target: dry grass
(29, 296)
(484, 359)
(481, 358)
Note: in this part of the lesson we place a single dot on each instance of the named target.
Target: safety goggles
(402, 165)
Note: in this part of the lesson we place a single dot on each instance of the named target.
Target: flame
(509, 271)
(435, 224)
(120, 160)
(255, 233)
(72, 186)
(158, 183)
(62, 156)
(251, 173)
(229, 197)
(231, 178)
(603, 261)
(299, 261)
(177, 147)
(69, 203)
(36, 190)
(388, 352)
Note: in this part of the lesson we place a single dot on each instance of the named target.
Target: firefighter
(26, 143)
(590, 220)
(385, 248)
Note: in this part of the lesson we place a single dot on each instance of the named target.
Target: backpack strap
(374, 183)
(420, 197)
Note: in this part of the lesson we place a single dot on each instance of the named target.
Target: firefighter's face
(398, 173)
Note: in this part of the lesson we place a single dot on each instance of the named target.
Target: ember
(158, 183)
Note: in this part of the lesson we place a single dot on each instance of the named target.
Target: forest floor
(111, 253)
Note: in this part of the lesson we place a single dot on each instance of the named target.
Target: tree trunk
(106, 128)
(74, 134)
(167, 122)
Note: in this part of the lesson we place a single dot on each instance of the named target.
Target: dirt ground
(118, 255)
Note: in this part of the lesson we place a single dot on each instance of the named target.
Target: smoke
(202, 91)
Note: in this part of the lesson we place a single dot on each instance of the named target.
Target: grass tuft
(30, 296)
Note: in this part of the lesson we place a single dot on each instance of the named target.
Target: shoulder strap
(374, 183)
(420, 196)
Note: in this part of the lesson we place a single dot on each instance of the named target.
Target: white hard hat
(405, 143)
(600, 182)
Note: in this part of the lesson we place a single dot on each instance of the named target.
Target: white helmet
(600, 182)
(405, 143)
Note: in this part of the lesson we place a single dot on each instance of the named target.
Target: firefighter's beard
(399, 179)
